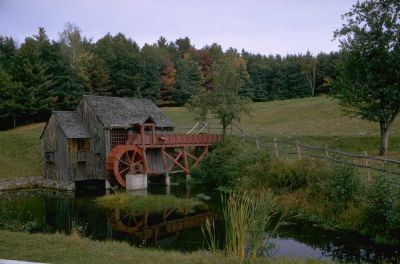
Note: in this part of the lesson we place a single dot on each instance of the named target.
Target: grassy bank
(332, 194)
(57, 248)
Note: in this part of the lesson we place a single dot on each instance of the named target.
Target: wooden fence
(286, 149)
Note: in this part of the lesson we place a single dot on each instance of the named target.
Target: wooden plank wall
(97, 162)
(54, 140)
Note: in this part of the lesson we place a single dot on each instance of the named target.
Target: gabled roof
(124, 112)
(71, 124)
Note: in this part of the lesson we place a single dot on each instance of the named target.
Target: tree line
(41, 75)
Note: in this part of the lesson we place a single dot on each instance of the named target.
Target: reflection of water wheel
(127, 222)
(126, 159)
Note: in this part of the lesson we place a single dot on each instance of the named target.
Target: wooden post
(276, 148)
(257, 143)
(298, 150)
(366, 166)
(326, 151)
(186, 164)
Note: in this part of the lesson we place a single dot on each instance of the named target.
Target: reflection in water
(47, 211)
(337, 246)
(150, 227)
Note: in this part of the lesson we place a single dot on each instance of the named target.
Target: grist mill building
(75, 144)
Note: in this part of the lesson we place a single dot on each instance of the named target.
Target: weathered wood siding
(155, 160)
(97, 151)
(79, 163)
(54, 141)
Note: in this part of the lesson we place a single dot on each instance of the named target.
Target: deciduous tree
(223, 101)
(368, 85)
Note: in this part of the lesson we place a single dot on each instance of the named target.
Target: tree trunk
(223, 131)
(385, 129)
(384, 141)
(313, 84)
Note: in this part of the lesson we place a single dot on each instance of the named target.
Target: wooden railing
(177, 139)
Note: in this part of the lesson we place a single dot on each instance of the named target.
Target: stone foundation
(136, 181)
(35, 182)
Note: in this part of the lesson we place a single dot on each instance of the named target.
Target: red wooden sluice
(154, 154)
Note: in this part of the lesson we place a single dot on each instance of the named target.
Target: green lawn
(58, 248)
(315, 121)
(20, 151)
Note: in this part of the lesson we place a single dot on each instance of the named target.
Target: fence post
(257, 143)
(276, 148)
(366, 166)
(326, 151)
(298, 150)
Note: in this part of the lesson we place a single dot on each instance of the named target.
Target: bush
(382, 213)
(317, 175)
(336, 182)
(275, 174)
(343, 183)
(227, 163)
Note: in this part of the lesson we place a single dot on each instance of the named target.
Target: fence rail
(281, 148)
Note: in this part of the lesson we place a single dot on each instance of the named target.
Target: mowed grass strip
(58, 248)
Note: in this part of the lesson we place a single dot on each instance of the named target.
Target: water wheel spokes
(125, 159)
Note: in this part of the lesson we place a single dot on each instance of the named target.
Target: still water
(51, 211)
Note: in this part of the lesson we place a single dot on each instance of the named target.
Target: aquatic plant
(246, 216)
(149, 203)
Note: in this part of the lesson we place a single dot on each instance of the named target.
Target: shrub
(212, 169)
(382, 214)
(228, 162)
(290, 175)
(336, 182)
(317, 176)
(343, 183)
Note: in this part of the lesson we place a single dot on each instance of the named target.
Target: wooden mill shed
(75, 144)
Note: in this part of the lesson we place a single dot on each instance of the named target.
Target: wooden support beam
(205, 152)
(186, 164)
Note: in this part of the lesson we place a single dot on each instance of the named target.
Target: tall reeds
(247, 216)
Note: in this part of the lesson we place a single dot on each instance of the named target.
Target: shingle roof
(72, 124)
(124, 112)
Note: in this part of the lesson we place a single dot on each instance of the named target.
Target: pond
(51, 211)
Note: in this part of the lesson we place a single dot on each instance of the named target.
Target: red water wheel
(126, 159)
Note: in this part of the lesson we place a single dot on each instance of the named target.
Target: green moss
(150, 203)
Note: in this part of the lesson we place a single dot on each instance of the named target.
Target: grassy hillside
(315, 116)
(20, 151)
(313, 121)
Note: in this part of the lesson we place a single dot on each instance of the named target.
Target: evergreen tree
(37, 82)
(122, 62)
(188, 79)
